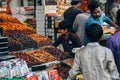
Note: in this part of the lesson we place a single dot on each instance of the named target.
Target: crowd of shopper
(94, 61)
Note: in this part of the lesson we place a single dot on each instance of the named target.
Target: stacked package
(13, 68)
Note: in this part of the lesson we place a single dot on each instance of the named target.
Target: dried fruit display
(16, 27)
(9, 18)
(12, 33)
(41, 40)
(10, 23)
(25, 41)
(69, 62)
(29, 59)
(14, 45)
(31, 23)
(59, 54)
(41, 56)
(63, 70)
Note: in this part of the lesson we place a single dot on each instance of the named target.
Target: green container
(13, 79)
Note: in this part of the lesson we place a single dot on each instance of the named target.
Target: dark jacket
(68, 44)
(70, 15)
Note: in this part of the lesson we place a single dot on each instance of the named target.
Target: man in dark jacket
(72, 12)
(67, 39)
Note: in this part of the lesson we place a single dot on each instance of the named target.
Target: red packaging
(32, 78)
(53, 75)
(8, 11)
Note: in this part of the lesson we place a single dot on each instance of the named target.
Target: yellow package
(80, 76)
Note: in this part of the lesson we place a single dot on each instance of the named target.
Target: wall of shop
(25, 2)
(14, 3)
(40, 18)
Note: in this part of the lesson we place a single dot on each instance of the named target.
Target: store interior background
(43, 7)
(44, 16)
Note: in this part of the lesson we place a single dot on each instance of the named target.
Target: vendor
(67, 39)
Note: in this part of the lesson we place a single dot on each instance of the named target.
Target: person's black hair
(1, 31)
(64, 24)
(118, 17)
(93, 5)
(94, 32)
(75, 2)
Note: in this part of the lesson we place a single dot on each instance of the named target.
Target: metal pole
(22, 3)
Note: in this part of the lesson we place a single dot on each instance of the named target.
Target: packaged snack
(32, 78)
(53, 75)
(23, 68)
(8, 66)
(3, 70)
(12, 68)
(43, 75)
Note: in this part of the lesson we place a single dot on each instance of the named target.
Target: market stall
(34, 51)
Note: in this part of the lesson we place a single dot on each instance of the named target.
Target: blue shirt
(114, 44)
(99, 21)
